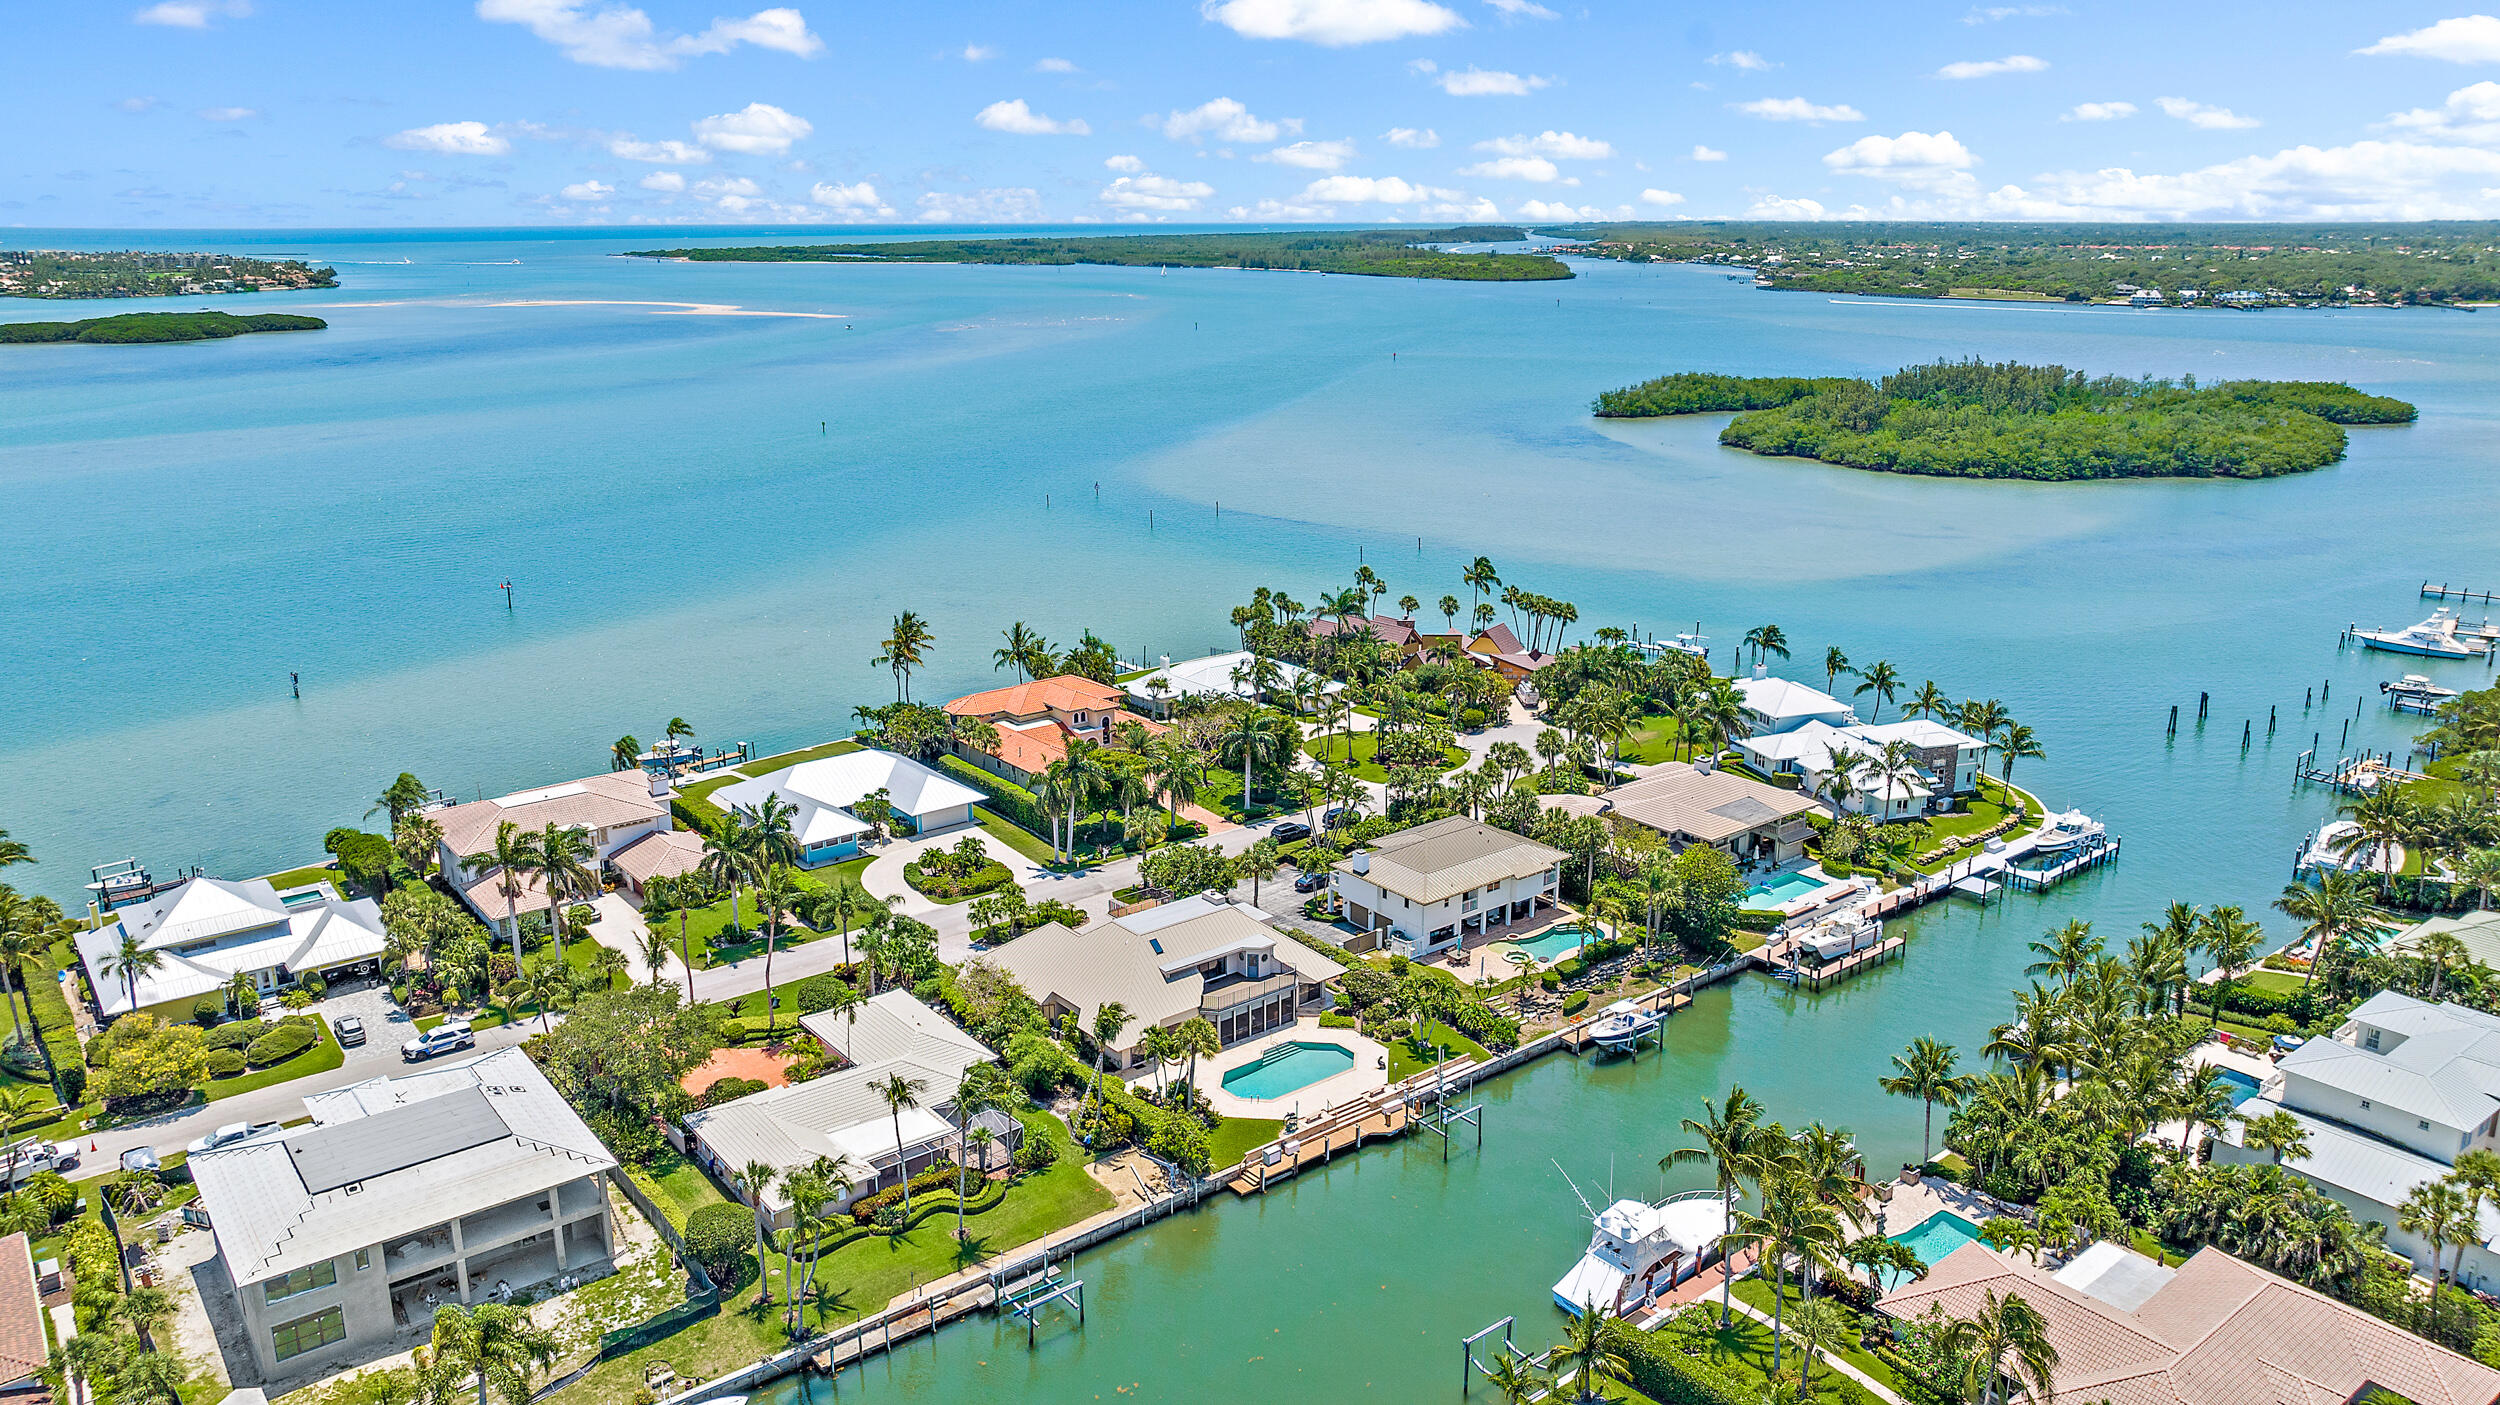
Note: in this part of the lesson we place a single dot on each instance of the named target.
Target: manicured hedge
(1668, 1376)
(281, 1043)
(237, 1034)
(1008, 800)
(224, 1063)
(721, 1238)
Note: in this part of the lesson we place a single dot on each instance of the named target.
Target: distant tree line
(1973, 419)
(139, 273)
(158, 327)
(1376, 253)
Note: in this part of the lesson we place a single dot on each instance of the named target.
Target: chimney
(659, 787)
(1363, 861)
(1761, 670)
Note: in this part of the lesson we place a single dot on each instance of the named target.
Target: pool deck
(1913, 1202)
(1368, 1074)
(1485, 955)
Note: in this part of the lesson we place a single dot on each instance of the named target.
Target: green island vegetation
(1382, 253)
(2449, 263)
(1971, 419)
(134, 327)
(141, 273)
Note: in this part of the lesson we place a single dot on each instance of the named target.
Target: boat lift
(1433, 1113)
(1469, 1366)
(1029, 1298)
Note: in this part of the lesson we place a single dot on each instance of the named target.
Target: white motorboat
(1624, 1025)
(1837, 936)
(2433, 638)
(2064, 831)
(1640, 1250)
(2415, 693)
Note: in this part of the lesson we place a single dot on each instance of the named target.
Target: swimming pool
(1288, 1068)
(2243, 1087)
(1554, 943)
(1931, 1239)
(1786, 888)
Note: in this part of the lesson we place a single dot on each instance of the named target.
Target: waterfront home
(1035, 722)
(206, 931)
(1946, 764)
(2215, 1331)
(24, 1349)
(1188, 959)
(1777, 705)
(1426, 889)
(2477, 932)
(1748, 821)
(1404, 640)
(842, 1115)
(611, 811)
(1500, 650)
(2388, 1102)
(1216, 676)
(465, 1183)
(826, 792)
(663, 853)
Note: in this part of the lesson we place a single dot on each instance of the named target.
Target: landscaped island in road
(138, 273)
(158, 327)
(1968, 419)
(1378, 253)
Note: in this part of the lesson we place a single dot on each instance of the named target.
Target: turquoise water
(1554, 943)
(1785, 888)
(2243, 1087)
(1288, 1068)
(1934, 1237)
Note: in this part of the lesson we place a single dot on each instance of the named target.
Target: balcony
(488, 1228)
(417, 1251)
(1226, 991)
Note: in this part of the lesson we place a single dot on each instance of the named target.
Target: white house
(1777, 705)
(1213, 677)
(611, 811)
(824, 791)
(2388, 1102)
(205, 931)
(1795, 733)
(1427, 889)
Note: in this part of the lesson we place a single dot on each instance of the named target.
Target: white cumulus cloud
(588, 190)
(665, 182)
(1130, 164)
(1776, 207)
(2471, 114)
(1225, 119)
(2098, 112)
(2198, 114)
(658, 153)
(1014, 117)
(1989, 68)
(2366, 180)
(1745, 59)
(1412, 138)
(620, 36)
(1372, 190)
(1798, 110)
(1311, 155)
(1661, 197)
(1562, 146)
(1557, 210)
(191, 14)
(1334, 23)
(1054, 66)
(1473, 82)
(979, 53)
(857, 199)
(1516, 168)
(1003, 205)
(757, 129)
(1160, 194)
(1523, 10)
(2467, 39)
(228, 114)
(450, 138)
(1708, 153)
(1913, 158)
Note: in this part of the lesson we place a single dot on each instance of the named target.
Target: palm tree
(2383, 821)
(496, 1343)
(2003, 1327)
(765, 828)
(654, 945)
(2330, 910)
(1926, 1073)
(756, 1178)
(2202, 1096)
(1765, 640)
(1819, 1323)
(399, 801)
(545, 985)
(514, 858)
(1480, 577)
(1162, 1049)
(2439, 1214)
(1448, 606)
(985, 1088)
(561, 849)
(1732, 1141)
(2019, 744)
(1108, 1022)
(2277, 1132)
(417, 839)
(128, 962)
(1928, 701)
(2231, 940)
(626, 754)
(1517, 1378)
(775, 894)
(1198, 1040)
(1076, 778)
(1019, 647)
(2067, 952)
(19, 944)
(1984, 720)
(2477, 1174)
(1257, 736)
(1587, 1353)
(904, 650)
(901, 1094)
(1177, 770)
(1835, 663)
(1881, 679)
(727, 860)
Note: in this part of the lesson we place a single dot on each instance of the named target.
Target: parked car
(31, 1157)
(350, 1030)
(1311, 882)
(1291, 831)
(1339, 817)
(441, 1039)
(229, 1134)
(142, 1158)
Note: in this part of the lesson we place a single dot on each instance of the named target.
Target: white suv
(441, 1039)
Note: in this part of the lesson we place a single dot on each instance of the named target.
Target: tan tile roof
(22, 1347)
(664, 853)
(2220, 1332)
(593, 802)
(1396, 633)
(1449, 856)
(1033, 747)
(1675, 798)
(1068, 692)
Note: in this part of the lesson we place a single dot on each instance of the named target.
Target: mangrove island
(134, 327)
(1374, 253)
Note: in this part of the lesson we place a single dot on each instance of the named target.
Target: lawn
(769, 764)
(1757, 1293)
(1238, 1135)
(865, 1275)
(1405, 1060)
(1986, 808)
(1221, 792)
(702, 924)
(1652, 739)
(1015, 837)
(688, 1186)
(306, 877)
(2272, 982)
(1742, 1350)
(1360, 747)
(578, 954)
(324, 1055)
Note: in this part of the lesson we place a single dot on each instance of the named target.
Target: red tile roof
(1068, 692)
(22, 1348)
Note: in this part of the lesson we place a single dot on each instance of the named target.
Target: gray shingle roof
(1152, 972)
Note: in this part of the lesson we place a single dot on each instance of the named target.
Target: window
(291, 1339)
(364, 1260)
(302, 1280)
(2422, 1124)
(2372, 1041)
(2365, 1104)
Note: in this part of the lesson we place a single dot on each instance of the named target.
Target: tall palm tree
(497, 1344)
(561, 850)
(2330, 910)
(1198, 1040)
(1176, 770)
(1835, 663)
(775, 894)
(20, 942)
(1448, 606)
(1109, 1020)
(2003, 1327)
(1256, 737)
(985, 1088)
(2202, 1096)
(900, 1095)
(1079, 776)
(2383, 822)
(1929, 701)
(728, 861)
(1480, 577)
(1587, 1353)
(1926, 1073)
(626, 754)
(654, 947)
(514, 858)
(2019, 744)
(1881, 679)
(2439, 1214)
(1984, 720)
(756, 1178)
(1765, 640)
(128, 962)
(2231, 940)
(905, 649)
(2278, 1133)
(545, 985)
(765, 830)
(1018, 648)
(2067, 952)
(1732, 1142)
(417, 839)
(399, 801)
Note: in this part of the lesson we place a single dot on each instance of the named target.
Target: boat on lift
(2433, 638)
(2415, 693)
(1623, 1025)
(1639, 1250)
(2064, 831)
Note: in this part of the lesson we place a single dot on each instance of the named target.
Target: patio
(1484, 955)
(1370, 1071)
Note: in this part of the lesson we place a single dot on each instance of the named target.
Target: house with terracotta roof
(2216, 1331)
(663, 853)
(23, 1350)
(1500, 650)
(1035, 721)
(1399, 634)
(611, 811)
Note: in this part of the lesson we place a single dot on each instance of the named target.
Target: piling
(2245, 725)
(2308, 698)
(2204, 703)
(2174, 719)
(2345, 735)
(2269, 719)
(2326, 690)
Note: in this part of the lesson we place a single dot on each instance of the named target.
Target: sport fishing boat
(2065, 831)
(1623, 1025)
(2433, 638)
(1640, 1250)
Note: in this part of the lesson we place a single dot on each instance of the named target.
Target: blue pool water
(1288, 1068)
(2243, 1087)
(1788, 887)
(1554, 943)
(1932, 1238)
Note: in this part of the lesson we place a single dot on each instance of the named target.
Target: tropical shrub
(939, 1176)
(1576, 1002)
(719, 1237)
(224, 1063)
(207, 1011)
(283, 1042)
(1037, 1152)
(725, 1090)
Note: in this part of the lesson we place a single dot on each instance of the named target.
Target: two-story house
(611, 811)
(1036, 720)
(1427, 889)
(2387, 1103)
(461, 1184)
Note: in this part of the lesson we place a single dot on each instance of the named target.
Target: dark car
(1290, 832)
(1342, 815)
(350, 1030)
(1311, 882)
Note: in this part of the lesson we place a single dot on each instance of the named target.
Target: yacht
(1640, 1250)
(2433, 638)
(2415, 693)
(1623, 1025)
(2062, 832)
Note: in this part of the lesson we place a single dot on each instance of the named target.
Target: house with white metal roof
(1215, 676)
(826, 791)
(206, 931)
(1778, 705)
(464, 1183)
(2387, 1103)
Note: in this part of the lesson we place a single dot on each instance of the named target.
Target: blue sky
(190, 113)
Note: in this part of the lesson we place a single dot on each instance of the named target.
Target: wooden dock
(2443, 591)
(1662, 1002)
(1790, 971)
(919, 1321)
(2038, 879)
(1387, 1112)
